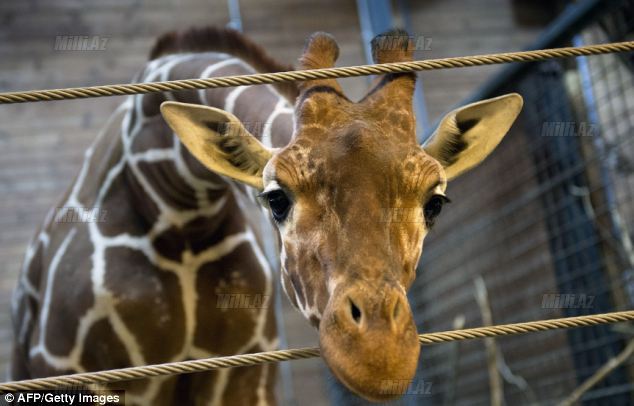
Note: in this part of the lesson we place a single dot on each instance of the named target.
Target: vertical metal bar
(593, 116)
(235, 18)
(235, 22)
(619, 232)
(420, 106)
(375, 17)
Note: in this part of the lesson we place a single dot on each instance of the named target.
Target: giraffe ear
(218, 140)
(467, 135)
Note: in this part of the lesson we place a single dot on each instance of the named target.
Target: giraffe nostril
(355, 312)
(397, 309)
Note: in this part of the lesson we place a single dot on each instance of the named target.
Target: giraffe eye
(279, 203)
(434, 207)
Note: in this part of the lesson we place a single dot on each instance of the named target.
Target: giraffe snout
(369, 340)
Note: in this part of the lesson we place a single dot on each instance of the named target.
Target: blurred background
(542, 229)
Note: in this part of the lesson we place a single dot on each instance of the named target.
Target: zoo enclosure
(550, 231)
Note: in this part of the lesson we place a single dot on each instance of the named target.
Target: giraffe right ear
(219, 141)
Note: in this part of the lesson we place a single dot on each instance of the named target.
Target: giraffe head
(353, 196)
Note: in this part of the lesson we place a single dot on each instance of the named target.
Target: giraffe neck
(160, 165)
(175, 238)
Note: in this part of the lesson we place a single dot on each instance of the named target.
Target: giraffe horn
(393, 46)
(321, 51)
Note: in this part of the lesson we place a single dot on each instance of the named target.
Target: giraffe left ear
(219, 141)
(467, 135)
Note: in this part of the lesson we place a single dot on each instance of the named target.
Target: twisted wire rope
(311, 74)
(241, 360)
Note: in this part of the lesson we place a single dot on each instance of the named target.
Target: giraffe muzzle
(369, 340)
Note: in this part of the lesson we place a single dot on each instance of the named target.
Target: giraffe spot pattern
(71, 294)
(145, 281)
(148, 300)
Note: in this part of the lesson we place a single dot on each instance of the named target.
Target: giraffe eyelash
(262, 196)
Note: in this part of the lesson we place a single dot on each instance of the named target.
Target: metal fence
(547, 222)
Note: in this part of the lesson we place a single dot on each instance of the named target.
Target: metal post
(235, 18)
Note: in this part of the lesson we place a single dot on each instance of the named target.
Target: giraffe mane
(225, 40)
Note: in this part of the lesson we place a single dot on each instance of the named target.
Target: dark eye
(279, 204)
(433, 208)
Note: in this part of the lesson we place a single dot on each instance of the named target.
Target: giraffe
(143, 283)
(181, 185)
